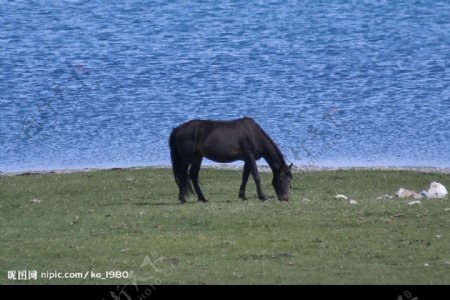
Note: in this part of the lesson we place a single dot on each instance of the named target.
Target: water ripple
(95, 83)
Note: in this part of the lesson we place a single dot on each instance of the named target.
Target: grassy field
(108, 223)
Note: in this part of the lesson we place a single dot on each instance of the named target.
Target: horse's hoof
(243, 197)
(203, 200)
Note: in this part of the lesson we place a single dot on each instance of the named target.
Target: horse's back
(208, 126)
(219, 140)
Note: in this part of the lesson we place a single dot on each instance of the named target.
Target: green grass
(130, 220)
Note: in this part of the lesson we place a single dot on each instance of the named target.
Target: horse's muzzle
(284, 197)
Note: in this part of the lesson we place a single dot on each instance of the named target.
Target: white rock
(437, 190)
(340, 197)
(353, 202)
(35, 201)
(404, 193)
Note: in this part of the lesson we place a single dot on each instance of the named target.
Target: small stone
(404, 193)
(35, 201)
(353, 202)
(411, 203)
(76, 220)
(426, 265)
(398, 215)
(417, 196)
(447, 209)
(171, 260)
(340, 197)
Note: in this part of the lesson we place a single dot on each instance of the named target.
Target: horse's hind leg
(183, 183)
(193, 174)
(245, 176)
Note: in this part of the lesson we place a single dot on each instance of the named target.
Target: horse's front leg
(255, 174)
(245, 176)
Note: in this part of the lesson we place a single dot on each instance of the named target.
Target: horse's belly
(222, 155)
(224, 159)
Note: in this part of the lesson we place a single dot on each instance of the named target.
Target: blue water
(335, 83)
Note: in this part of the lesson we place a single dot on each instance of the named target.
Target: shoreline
(261, 168)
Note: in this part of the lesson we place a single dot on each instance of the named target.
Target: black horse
(226, 141)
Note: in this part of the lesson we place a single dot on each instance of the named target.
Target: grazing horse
(226, 141)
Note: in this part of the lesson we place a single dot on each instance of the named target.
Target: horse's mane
(271, 142)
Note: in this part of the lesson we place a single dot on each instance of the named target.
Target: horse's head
(281, 182)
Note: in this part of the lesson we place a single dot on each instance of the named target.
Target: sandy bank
(262, 168)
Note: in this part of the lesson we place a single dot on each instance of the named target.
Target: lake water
(335, 83)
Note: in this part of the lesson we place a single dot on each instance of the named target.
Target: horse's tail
(180, 166)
